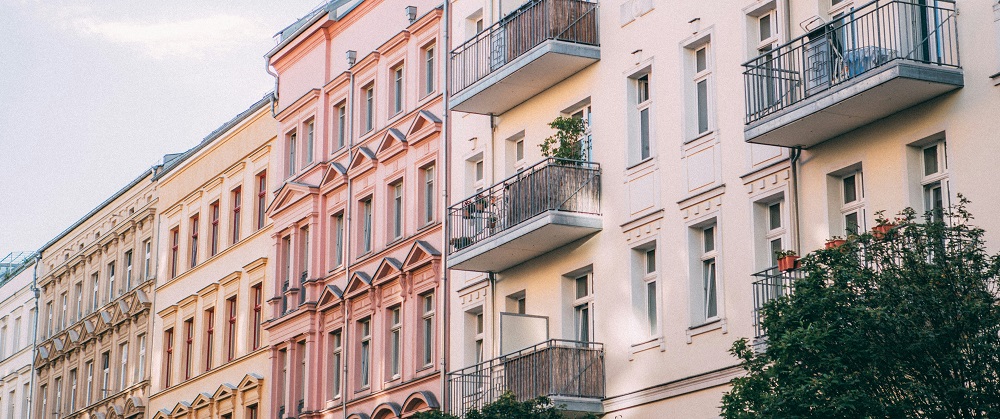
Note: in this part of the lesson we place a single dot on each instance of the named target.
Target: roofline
(214, 135)
(150, 172)
(325, 10)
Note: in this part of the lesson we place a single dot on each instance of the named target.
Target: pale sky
(93, 92)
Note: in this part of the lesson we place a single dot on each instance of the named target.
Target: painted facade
(357, 228)
(17, 325)
(96, 281)
(209, 347)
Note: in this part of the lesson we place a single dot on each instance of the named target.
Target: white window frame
(290, 141)
(365, 353)
(90, 382)
(397, 209)
(710, 265)
(336, 361)
(395, 323)
(369, 116)
(429, 69)
(429, 193)
(704, 75)
(427, 328)
(775, 233)
(641, 83)
(398, 94)
(138, 375)
(585, 113)
(650, 282)
(310, 141)
(123, 366)
(340, 112)
(147, 246)
(479, 336)
(937, 179)
(583, 328)
(857, 206)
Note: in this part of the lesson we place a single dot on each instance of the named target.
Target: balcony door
(586, 145)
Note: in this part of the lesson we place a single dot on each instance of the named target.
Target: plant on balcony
(460, 243)
(508, 407)
(883, 225)
(903, 327)
(834, 242)
(788, 260)
(567, 142)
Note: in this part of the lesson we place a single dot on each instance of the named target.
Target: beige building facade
(17, 327)
(96, 281)
(209, 351)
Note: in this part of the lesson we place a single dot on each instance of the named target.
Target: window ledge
(705, 134)
(655, 342)
(642, 162)
(707, 326)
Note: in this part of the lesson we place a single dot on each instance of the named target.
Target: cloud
(180, 38)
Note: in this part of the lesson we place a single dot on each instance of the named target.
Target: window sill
(703, 135)
(642, 162)
(655, 342)
(707, 326)
(425, 367)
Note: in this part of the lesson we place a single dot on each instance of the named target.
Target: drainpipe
(348, 214)
(34, 334)
(794, 160)
(274, 96)
(445, 201)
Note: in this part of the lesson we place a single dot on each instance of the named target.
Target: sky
(95, 92)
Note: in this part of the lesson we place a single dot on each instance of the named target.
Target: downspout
(34, 333)
(794, 160)
(274, 95)
(445, 201)
(347, 247)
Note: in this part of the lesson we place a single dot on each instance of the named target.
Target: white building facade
(17, 325)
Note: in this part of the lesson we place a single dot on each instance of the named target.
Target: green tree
(507, 407)
(903, 324)
(567, 142)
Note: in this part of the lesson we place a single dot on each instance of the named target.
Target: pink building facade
(357, 230)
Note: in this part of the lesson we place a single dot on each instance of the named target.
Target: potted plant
(788, 260)
(882, 229)
(834, 242)
(460, 243)
(567, 142)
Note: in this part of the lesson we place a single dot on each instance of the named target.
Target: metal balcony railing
(552, 184)
(517, 33)
(552, 368)
(768, 285)
(864, 39)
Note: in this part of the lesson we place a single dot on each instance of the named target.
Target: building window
(128, 271)
(251, 412)
(175, 238)
(701, 82)
(336, 350)
(209, 337)
(366, 225)
(290, 143)
(105, 375)
(429, 76)
(310, 141)
(583, 307)
(123, 366)
(139, 366)
(16, 335)
(397, 209)
(95, 299)
(286, 246)
(764, 24)
(78, 292)
(65, 311)
(934, 181)
(59, 392)
(427, 328)
(478, 346)
(147, 259)
(112, 293)
(261, 199)
(49, 314)
(395, 340)
(214, 237)
(257, 295)
(44, 389)
(168, 358)
(3, 342)
(88, 396)
(338, 239)
(709, 291)
(72, 394)
(429, 194)
(643, 104)
(852, 202)
(304, 260)
(341, 120)
(771, 222)
(301, 354)
(237, 197)
(365, 332)
(188, 347)
(12, 397)
(650, 286)
(397, 90)
(282, 381)
(231, 328)
(194, 240)
(369, 109)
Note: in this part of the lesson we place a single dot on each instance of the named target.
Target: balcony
(881, 58)
(568, 372)
(526, 52)
(540, 209)
(768, 285)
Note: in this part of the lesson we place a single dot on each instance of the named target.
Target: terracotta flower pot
(881, 230)
(833, 244)
(788, 263)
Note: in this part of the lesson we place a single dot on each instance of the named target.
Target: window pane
(519, 150)
(581, 287)
(711, 303)
(583, 324)
(644, 134)
(709, 239)
(930, 160)
(851, 223)
(765, 27)
(650, 261)
(774, 215)
(934, 200)
(775, 247)
(642, 89)
(701, 60)
(850, 189)
(651, 306)
(702, 106)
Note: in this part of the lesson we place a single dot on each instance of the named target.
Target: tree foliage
(903, 324)
(567, 142)
(506, 407)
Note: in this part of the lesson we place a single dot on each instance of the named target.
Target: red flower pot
(833, 244)
(881, 230)
(788, 263)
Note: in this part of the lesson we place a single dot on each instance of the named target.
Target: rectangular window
(237, 198)
(48, 321)
(709, 277)
(188, 356)
(88, 396)
(290, 143)
(64, 318)
(397, 210)
(643, 102)
(59, 399)
(168, 357)
(261, 199)
(303, 259)
(128, 271)
(286, 246)
(774, 231)
(702, 78)
(139, 366)
(44, 389)
(395, 340)
(95, 299)
(231, 328)
(209, 337)
(651, 291)
(16, 335)
(301, 373)
(105, 375)
(251, 412)
(112, 292)
(852, 199)
(429, 69)
(427, 328)
(72, 394)
(429, 194)
(78, 291)
(123, 366)
(365, 332)
(369, 115)
(479, 348)
(194, 240)
(214, 237)
(934, 181)
(341, 131)
(583, 307)
(397, 90)
(310, 141)
(336, 350)
(257, 295)
(3, 342)
(175, 237)
(366, 226)
(147, 264)
(338, 239)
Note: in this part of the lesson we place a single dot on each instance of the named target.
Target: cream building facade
(716, 135)
(17, 325)
(96, 280)
(209, 349)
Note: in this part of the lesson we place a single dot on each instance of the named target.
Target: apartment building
(96, 280)
(17, 325)
(357, 230)
(715, 136)
(209, 349)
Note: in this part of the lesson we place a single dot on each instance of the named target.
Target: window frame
(856, 206)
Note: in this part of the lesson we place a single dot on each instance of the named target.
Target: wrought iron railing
(768, 285)
(552, 368)
(517, 33)
(552, 184)
(864, 39)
